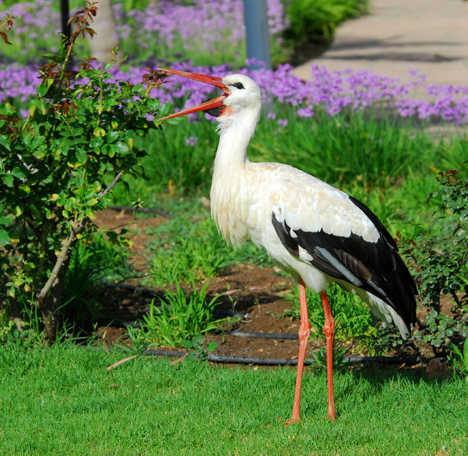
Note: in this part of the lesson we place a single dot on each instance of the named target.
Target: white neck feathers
(236, 129)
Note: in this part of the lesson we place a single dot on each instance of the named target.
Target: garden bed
(254, 295)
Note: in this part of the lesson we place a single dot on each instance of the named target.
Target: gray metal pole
(256, 24)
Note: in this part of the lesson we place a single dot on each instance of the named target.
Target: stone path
(430, 36)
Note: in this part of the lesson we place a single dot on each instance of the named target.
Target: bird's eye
(238, 85)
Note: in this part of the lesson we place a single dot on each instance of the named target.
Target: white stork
(315, 232)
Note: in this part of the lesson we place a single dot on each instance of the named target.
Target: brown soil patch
(258, 295)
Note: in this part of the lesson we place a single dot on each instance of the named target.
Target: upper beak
(213, 80)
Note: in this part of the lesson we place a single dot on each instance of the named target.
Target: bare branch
(62, 258)
(111, 186)
(68, 243)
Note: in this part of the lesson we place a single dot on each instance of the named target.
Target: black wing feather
(373, 266)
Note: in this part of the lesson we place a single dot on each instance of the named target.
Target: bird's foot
(293, 420)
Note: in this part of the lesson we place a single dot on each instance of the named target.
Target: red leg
(329, 329)
(304, 331)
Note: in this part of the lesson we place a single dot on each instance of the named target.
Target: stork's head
(240, 96)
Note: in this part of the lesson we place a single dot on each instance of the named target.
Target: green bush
(317, 20)
(440, 257)
(57, 169)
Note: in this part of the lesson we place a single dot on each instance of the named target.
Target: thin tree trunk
(51, 301)
(105, 39)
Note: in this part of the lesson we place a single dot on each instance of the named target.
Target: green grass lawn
(63, 401)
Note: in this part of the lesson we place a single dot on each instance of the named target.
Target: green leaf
(112, 136)
(4, 142)
(25, 188)
(176, 120)
(154, 103)
(44, 87)
(137, 88)
(121, 148)
(4, 237)
(97, 187)
(59, 57)
(81, 155)
(212, 346)
(107, 149)
(165, 108)
(18, 172)
(78, 131)
(95, 144)
(8, 180)
(49, 56)
(49, 179)
(40, 154)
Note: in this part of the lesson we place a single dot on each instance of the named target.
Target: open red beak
(208, 105)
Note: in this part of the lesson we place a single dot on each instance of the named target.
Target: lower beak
(208, 105)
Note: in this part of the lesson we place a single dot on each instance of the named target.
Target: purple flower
(178, 27)
(283, 122)
(305, 112)
(333, 92)
(191, 141)
(193, 26)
